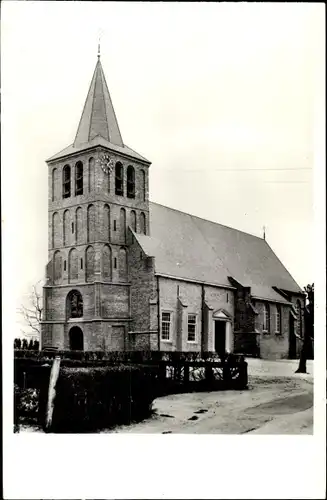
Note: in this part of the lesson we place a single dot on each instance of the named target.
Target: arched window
(74, 304)
(143, 185)
(91, 223)
(133, 220)
(78, 178)
(66, 182)
(76, 340)
(130, 182)
(119, 179)
(298, 318)
(91, 175)
(142, 223)
(54, 184)
(106, 262)
(122, 264)
(79, 226)
(57, 267)
(73, 265)
(106, 223)
(122, 223)
(55, 230)
(89, 264)
(266, 318)
(67, 228)
(278, 319)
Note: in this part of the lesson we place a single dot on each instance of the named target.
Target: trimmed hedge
(89, 399)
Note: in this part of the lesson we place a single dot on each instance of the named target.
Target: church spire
(98, 117)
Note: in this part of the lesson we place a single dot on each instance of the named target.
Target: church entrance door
(220, 337)
(76, 341)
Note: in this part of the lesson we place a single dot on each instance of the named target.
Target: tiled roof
(185, 246)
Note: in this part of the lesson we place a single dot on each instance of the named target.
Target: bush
(88, 399)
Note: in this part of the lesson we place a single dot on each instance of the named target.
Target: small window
(78, 178)
(227, 297)
(66, 182)
(65, 265)
(119, 179)
(115, 225)
(165, 326)
(115, 263)
(278, 320)
(191, 328)
(265, 318)
(81, 263)
(73, 227)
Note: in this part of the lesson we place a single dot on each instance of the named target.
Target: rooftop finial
(99, 47)
(264, 232)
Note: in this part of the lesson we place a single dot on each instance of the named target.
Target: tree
(32, 313)
(307, 346)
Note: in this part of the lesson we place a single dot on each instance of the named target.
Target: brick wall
(274, 345)
(182, 298)
(143, 299)
(93, 218)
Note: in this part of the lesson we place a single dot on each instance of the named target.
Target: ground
(278, 401)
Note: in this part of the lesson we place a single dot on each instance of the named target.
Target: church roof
(98, 125)
(186, 246)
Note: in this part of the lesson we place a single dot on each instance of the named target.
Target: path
(278, 402)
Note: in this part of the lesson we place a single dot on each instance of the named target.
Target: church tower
(98, 188)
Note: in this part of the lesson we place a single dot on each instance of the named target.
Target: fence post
(54, 374)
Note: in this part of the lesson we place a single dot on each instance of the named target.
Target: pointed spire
(98, 117)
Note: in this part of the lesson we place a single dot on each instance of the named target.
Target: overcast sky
(219, 97)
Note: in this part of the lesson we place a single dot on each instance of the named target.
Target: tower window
(119, 179)
(73, 227)
(115, 263)
(78, 178)
(66, 182)
(65, 265)
(81, 263)
(130, 182)
(74, 304)
(115, 225)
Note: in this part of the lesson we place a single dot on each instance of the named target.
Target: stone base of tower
(86, 336)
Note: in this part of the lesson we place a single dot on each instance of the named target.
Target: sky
(220, 97)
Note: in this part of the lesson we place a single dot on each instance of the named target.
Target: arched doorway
(76, 341)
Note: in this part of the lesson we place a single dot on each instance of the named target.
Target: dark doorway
(76, 342)
(220, 337)
(292, 339)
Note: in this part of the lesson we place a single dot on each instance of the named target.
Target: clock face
(107, 163)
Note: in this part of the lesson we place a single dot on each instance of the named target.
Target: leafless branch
(32, 313)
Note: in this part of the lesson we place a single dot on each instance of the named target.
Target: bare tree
(32, 312)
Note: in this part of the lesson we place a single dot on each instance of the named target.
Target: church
(125, 273)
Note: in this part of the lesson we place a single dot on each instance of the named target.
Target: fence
(174, 372)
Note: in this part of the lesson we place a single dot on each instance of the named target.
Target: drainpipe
(158, 311)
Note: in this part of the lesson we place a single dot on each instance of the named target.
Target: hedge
(88, 399)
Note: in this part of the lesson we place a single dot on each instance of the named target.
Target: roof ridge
(207, 220)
